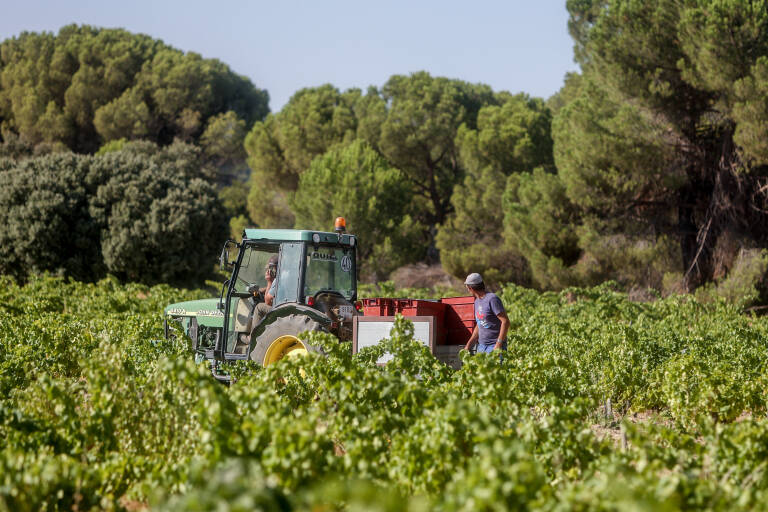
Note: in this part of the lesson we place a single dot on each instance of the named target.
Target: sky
(283, 46)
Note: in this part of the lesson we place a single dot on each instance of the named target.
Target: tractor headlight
(316, 238)
(351, 241)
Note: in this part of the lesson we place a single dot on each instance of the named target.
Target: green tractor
(316, 290)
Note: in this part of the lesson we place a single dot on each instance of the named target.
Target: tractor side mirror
(224, 262)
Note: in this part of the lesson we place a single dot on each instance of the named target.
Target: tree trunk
(697, 228)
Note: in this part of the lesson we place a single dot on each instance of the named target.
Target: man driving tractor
(269, 291)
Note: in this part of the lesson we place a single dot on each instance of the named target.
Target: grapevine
(99, 411)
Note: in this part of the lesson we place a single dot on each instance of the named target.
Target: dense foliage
(85, 86)
(281, 147)
(411, 121)
(97, 410)
(647, 168)
(375, 200)
(510, 139)
(657, 146)
(141, 213)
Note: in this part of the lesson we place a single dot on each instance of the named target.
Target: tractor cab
(316, 289)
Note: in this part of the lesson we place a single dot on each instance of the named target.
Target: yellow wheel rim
(284, 346)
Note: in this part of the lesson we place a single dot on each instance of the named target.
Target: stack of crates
(379, 307)
(454, 316)
(409, 307)
(459, 319)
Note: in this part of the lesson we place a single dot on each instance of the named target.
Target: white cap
(474, 279)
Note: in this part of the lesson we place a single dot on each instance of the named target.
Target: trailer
(443, 325)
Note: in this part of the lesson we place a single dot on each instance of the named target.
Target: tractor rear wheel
(281, 339)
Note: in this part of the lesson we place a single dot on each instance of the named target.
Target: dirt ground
(421, 275)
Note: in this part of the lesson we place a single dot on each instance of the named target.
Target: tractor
(316, 291)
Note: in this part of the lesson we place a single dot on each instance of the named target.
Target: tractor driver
(269, 291)
(270, 275)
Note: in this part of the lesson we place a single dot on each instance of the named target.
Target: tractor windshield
(253, 267)
(330, 268)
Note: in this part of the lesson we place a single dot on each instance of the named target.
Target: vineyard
(600, 404)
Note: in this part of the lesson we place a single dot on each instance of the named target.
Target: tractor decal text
(324, 256)
(210, 312)
(177, 311)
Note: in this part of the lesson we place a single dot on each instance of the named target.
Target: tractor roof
(296, 235)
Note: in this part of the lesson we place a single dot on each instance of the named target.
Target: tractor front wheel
(280, 339)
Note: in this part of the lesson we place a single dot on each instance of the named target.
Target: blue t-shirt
(487, 310)
(273, 289)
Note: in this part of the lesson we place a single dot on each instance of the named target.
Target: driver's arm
(271, 288)
(269, 277)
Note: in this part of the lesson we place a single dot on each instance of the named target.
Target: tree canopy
(141, 213)
(510, 138)
(412, 122)
(418, 134)
(659, 145)
(648, 167)
(85, 86)
(281, 147)
(373, 196)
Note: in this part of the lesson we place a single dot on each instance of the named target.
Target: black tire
(291, 325)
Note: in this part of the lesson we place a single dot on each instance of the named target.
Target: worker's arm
(473, 338)
(504, 319)
(268, 298)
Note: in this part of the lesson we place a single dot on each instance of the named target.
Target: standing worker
(492, 321)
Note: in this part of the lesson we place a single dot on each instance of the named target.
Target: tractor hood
(204, 310)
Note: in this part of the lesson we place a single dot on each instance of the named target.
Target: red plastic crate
(466, 299)
(459, 319)
(421, 307)
(379, 307)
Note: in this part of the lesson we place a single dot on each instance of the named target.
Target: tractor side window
(252, 267)
(288, 273)
(330, 269)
